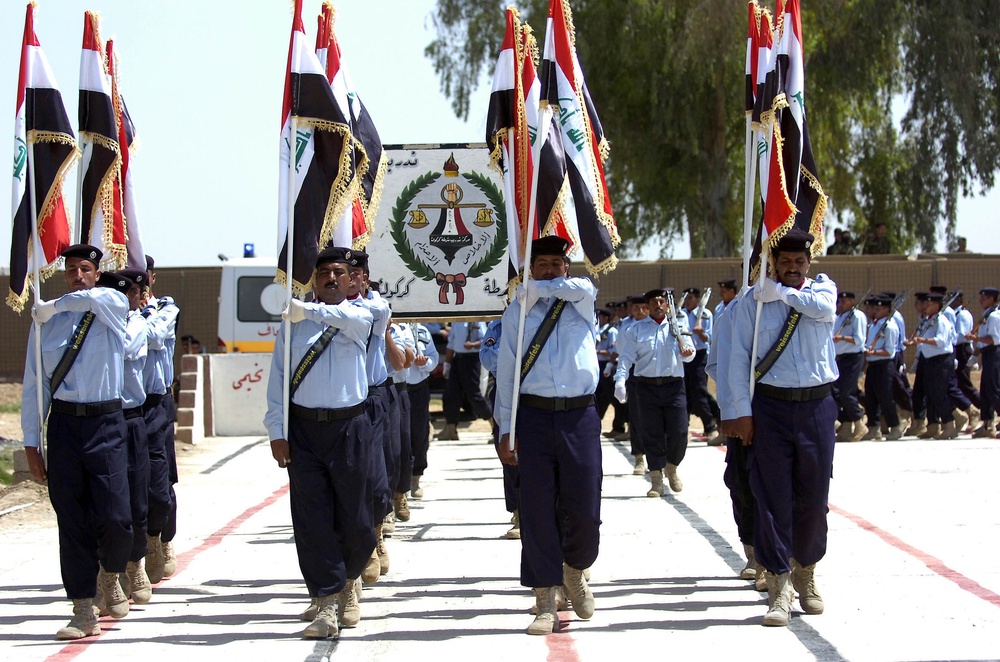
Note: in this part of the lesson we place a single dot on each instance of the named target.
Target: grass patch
(10, 408)
(6, 466)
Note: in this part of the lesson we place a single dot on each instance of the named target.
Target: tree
(902, 100)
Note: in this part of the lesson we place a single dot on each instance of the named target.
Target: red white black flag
(44, 150)
(511, 132)
(318, 178)
(358, 224)
(588, 216)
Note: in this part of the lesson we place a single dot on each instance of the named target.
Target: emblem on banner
(431, 235)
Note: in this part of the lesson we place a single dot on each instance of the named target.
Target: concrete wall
(238, 393)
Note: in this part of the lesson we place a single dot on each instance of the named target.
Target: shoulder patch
(489, 342)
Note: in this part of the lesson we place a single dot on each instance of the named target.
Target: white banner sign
(440, 245)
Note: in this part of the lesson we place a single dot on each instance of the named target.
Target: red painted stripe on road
(71, 651)
(561, 645)
(936, 565)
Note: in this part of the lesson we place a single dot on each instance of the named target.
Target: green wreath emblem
(417, 266)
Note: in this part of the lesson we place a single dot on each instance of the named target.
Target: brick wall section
(196, 289)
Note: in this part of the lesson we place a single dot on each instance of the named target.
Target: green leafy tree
(902, 102)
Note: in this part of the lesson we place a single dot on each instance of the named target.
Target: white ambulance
(250, 305)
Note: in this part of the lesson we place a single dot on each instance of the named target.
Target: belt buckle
(323, 416)
(559, 404)
(80, 409)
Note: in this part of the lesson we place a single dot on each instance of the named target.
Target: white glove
(768, 290)
(296, 311)
(620, 395)
(43, 311)
(609, 368)
(445, 369)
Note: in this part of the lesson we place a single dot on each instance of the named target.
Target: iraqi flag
(135, 255)
(588, 216)
(43, 143)
(102, 219)
(511, 133)
(317, 177)
(370, 162)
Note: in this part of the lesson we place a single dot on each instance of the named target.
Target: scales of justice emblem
(450, 254)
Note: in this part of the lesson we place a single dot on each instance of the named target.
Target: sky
(203, 82)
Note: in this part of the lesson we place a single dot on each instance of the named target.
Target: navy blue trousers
(463, 385)
(989, 385)
(737, 479)
(878, 394)
(559, 460)
(901, 390)
(963, 352)
(663, 410)
(391, 442)
(405, 456)
(635, 435)
(420, 420)
(937, 375)
(138, 484)
(511, 477)
(699, 401)
(377, 410)
(329, 478)
(170, 525)
(790, 465)
(918, 394)
(845, 389)
(88, 487)
(161, 499)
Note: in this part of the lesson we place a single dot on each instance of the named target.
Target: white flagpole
(750, 173)
(765, 256)
(536, 155)
(36, 254)
(78, 230)
(286, 391)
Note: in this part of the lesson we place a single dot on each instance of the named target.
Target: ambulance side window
(248, 306)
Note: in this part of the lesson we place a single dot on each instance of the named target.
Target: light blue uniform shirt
(424, 344)
(566, 367)
(462, 332)
(97, 374)
(719, 307)
(136, 340)
(706, 326)
(942, 332)
(852, 323)
(607, 339)
(963, 325)
(337, 379)
(897, 317)
(653, 350)
(158, 371)
(990, 327)
(717, 365)
(889, 340)
(808, 361)
(375, 365)
(403, 337)
(489, 351)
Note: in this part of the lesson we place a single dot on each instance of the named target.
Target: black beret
(935, 297)
(922, 296)
(636, 298)
(347, 256)
(887, 293)
(729, 283)
(115, 281)
(549, 245)
(939, 289)
(846, 295)
(360, 259)
(990, 292)
(85, 252)
(137, 276)
(604, 311)
(150, 262)
(874, 300)
(659, 292)
(795, 241)
(693, 290)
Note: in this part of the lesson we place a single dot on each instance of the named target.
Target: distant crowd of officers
(348, 416)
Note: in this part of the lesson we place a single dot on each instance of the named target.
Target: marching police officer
(557, 443)
(880, 349)
(789, 421)
(328, 447)
(82, 335)
(849, 343)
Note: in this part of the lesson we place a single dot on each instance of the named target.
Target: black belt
(417, 386)
(152, 401)
(134, 412)
(657, 381)
(400, 386)
(325, 415)
(86, 409)
(387, 383)
(556, 404)
(794, 394)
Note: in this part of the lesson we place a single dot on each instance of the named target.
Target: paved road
(911, 573)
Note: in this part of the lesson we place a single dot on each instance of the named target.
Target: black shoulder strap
(766, 363)
(309, 360)
(541, 335)
(73, 351)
